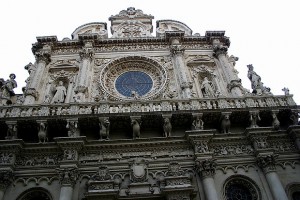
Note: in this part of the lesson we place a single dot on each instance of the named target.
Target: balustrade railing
(140, 106)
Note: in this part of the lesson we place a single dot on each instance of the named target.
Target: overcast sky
(263, 33)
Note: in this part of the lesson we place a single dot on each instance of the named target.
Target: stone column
(233, 82)
(68, 176)
(6, 178)
(294, 132)
(177, 51)
(206, 170)
(42, 59)
(267, 163)
(68, 171)
(86, 55)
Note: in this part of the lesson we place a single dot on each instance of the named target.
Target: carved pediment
(131, 23)
(98, 28)
(201, 60)
(64, 65)
(171, 25)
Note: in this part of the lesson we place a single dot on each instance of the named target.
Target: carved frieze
(38, 160)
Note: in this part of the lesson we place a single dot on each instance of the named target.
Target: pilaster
(177, 51)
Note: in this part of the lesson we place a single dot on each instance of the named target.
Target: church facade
(138, 116)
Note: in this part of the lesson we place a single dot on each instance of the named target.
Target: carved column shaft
(42, 59)
(234, 83)
(206, 170)
(68, 176)
(66, 193)
(276, 186)
(267, 163)
(209, 188)
(70, 90)
(86, 55)
(6, 178)
(177, 51)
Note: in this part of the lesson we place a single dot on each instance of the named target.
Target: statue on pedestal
(60, 93)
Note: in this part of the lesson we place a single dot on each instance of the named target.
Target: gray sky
(263, 33)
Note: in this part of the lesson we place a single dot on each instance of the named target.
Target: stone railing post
(267, 163)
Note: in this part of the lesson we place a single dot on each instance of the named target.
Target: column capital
(43, 55)
(267, 162)
(87, 51)
(177, 49)
(220, 50)
(32, 92)
(206, 168)
(68, 175)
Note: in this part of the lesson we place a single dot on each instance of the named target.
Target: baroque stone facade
(138, 116)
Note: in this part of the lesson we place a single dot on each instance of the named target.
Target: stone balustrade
(141, 106)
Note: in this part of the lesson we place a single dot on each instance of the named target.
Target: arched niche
(35, 194)
(241, 187)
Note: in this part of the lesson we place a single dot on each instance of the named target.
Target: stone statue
(167, 127)
(256, 84)
(286, 91)
(197, 124)
(275, 122)
(42, 134)
(104, 129)
(135, 129)
(11, 132)
(225, 123)
(60, 94)
(208, 88)
(8, 86)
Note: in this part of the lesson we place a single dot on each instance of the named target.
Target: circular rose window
(133, 81)
(125, 77)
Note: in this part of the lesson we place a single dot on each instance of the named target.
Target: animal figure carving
(276, 123)
(42, 134)
(225, 124)
(167, 127)
(104, 131)
(136, 129)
